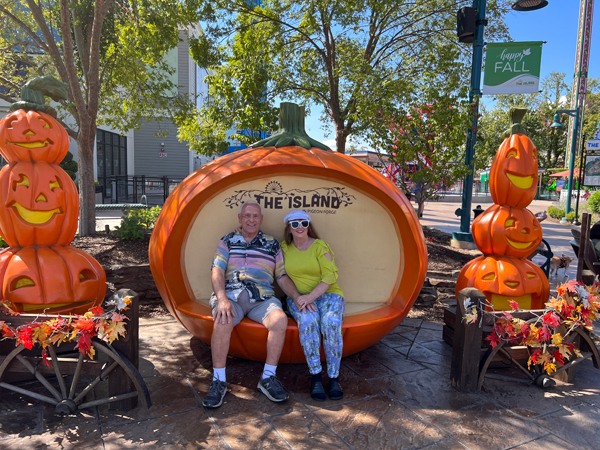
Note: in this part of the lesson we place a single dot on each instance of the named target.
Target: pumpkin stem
(32, 94)
(291, 130)
(516, 116)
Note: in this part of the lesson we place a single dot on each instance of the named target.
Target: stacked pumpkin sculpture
(507, 232)
(40, 270)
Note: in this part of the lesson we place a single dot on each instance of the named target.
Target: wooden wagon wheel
(67, 400)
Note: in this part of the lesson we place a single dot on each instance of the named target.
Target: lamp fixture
(529, 5)
(557, 123)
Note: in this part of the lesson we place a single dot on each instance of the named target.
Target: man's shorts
(257, 311)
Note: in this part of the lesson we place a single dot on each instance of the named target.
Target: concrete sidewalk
(397, 395)
(441, 215)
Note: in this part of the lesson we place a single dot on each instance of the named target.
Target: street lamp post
(557, 123)
(464, 235)
(579, 179)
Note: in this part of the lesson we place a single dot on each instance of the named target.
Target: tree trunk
(340, 138)
(87, 190)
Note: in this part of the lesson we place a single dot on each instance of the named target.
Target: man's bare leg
(276, 323)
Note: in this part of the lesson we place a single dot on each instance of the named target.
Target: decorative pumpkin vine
(548, 334)
(507, 233)
(40, 271)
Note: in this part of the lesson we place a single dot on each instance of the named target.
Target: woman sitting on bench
(320, 308)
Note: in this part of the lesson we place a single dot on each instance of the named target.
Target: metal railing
(482, 189)
(128, 189)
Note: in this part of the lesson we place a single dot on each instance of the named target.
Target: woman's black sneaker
(335, 389)
(317, 391)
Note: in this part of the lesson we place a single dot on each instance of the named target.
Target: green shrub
(593, 203)
(135, 221)
(3, 242)
(130, 228)
(556, 213)
(571, 216)
(148, 217)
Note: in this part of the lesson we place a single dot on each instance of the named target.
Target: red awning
(565, 173)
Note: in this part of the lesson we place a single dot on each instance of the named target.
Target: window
(111, 154)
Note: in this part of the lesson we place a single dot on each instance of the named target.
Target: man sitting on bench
(242, 276)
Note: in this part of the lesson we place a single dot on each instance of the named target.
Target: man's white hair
(251, 202)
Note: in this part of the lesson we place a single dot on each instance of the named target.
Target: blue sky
(556, 24)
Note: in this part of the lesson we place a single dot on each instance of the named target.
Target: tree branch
(51, 48)
(101, 9)
(81, 45)
(71, 71)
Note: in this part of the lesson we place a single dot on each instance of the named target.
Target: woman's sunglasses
(296, 223)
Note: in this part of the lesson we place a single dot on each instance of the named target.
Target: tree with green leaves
(550, 142)
(345, 56)
(238, 97)
(110, 53)
(424, 143)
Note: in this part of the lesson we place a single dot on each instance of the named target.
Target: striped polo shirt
(251, 266)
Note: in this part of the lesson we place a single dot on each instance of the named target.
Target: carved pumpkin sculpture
(502, 279)
(381, 271)
(40, 205)
(40, 271)
(514, 172)
(32, 136)
(506, 232)
(61, 278)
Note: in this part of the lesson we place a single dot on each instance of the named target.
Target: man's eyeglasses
(296, 223)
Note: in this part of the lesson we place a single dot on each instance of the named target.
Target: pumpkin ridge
(270, 151)
(319, 158)
(39, 275)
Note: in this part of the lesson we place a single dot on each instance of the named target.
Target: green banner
(512, 68)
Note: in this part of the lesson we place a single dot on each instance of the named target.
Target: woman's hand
(304, 302)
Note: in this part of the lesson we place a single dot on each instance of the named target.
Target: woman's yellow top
(308, 268)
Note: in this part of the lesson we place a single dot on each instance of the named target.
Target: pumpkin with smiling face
(32, 136)
(58, 279)
(507, 231)
(502, 279)
(514, 172)
(39, 205)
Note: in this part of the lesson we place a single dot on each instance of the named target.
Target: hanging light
(529, 5)
(557, 123)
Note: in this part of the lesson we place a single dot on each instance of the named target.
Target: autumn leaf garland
(546, 334)
(106, 325)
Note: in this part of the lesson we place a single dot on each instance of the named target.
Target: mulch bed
(127, 266)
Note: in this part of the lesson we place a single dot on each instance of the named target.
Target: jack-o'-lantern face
(40, 205)
(507, 231)
(514, 176)
(502, 279)
(57, 279)
(32, 136)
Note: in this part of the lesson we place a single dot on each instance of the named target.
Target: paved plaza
(397, 396)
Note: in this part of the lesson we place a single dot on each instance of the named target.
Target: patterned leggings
(328, 321)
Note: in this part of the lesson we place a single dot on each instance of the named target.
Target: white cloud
(562, 101)
(329, 143)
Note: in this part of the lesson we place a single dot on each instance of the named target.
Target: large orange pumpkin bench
(379, 245)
